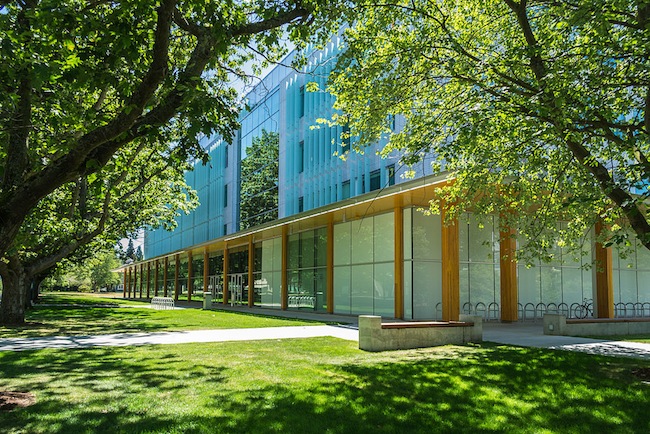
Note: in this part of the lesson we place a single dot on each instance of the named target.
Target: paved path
(531, 335)
(190, 336)
(525, 335)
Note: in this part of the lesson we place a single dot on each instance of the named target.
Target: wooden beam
(141, 277)
(148, 279)
(226, 264)
(126, 270)
(450, 270)
(329, 277)
(190, 277)
(134, 281)
(283, 287)
(155, 279)
(165, 271)
(399, 261)
(251, 264)
(604, 278)
(206, 270)
(177, 263)
(508, 266)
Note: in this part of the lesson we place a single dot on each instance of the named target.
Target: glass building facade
(349, 237)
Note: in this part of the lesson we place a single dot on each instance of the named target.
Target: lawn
(78, 314)
(323, 385)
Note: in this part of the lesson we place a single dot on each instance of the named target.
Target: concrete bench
(558, 324)
(377, 336)
(162, 303)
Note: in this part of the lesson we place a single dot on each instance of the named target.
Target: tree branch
(17, 160)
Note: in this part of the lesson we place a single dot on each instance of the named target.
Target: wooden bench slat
(425, 324)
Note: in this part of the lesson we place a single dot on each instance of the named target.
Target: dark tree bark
(15, 284)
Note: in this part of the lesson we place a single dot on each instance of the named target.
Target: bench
(377, 336)
(558, 324)
(162, 303)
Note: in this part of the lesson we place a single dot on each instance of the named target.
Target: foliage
(90, 91)
(537, 110)
(259, 180)
(92, 274)
(323, 385)
(130, 251)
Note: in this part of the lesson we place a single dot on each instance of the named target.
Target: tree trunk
(15, 285)
(33, 286)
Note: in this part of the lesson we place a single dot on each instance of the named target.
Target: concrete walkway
(532, 335)
(519, 334)
(184, 337)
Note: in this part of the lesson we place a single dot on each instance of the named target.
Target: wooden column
(604, 300)
(509, 287)
(399, 262)
(251, 264)
(134, 284)
(190, 276)
(283, 288)
(130, 281)
(450, 270)
(141, 277)
(165, 270)
(226, 264)
(177, 263)
(155, 279)
(148, 279)
(125, 283)
(206, 270)
(330, 267)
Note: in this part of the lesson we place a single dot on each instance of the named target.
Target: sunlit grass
(323, 385)
(80, 298)
(71, 314)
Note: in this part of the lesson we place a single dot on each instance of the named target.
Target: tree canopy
(102, 100)
(538, 110)
(93, 213)
(80, 80)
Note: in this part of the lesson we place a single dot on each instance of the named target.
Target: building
(346, 236)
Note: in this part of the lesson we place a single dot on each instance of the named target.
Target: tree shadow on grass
(502, 389)
(101, 390)
(482, 389)
(64, 320)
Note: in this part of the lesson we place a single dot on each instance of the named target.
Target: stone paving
(532, 335)
(520, 334)
(184, 337)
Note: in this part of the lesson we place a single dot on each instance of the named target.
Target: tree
(259, 184)
(79, 81)
(130, 251)
(91, 214)
(538, 110)
(85, 87)
(139, 256)
(91, 274)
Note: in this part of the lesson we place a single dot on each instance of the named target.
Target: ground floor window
(631, 278)
(267, 274)
(306, 270)
(422, 265)
(479, 266)
(364, 266)
(559, 285)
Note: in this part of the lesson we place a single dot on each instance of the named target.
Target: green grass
(79, 298)
(86, 318)
(323, 385)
